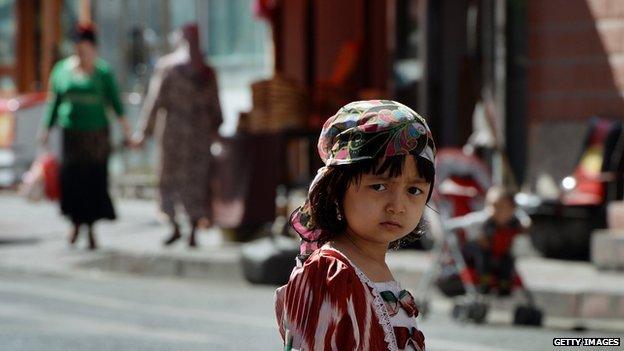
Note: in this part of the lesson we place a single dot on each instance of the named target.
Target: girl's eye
(378, 187)
(415, 191)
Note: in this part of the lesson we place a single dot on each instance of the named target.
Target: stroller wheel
(528, 315)
(459, 312)
(477, 312)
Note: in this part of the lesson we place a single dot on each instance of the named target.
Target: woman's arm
(51, 111)
(154, 100)
(112, 92)
(216, 103)
(114, 98)
(125, 126)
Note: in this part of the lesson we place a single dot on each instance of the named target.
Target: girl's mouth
(391, 225)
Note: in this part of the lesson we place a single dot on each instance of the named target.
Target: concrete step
(563, 289)
(607, 249)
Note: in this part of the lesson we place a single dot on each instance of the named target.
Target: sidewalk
(33, 240)
(571, 294)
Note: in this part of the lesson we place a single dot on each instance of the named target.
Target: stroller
(461, 183)
(449, 271)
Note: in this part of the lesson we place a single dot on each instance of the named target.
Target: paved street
(100, 312)
(125, 313)
(48, 301)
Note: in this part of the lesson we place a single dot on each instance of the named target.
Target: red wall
(576, 59)
(293, 31)
(334, 23)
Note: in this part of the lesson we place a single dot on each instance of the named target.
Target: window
(7, 44)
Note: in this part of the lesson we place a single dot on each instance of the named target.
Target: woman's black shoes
(173, 238)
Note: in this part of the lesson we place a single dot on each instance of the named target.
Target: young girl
(370, 195)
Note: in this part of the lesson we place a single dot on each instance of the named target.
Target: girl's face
(382, 209)
(502, 210)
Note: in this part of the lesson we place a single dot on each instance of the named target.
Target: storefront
(34, 34)
(287, 65)
(437, 56)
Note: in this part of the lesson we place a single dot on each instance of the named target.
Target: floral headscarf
(359, 131)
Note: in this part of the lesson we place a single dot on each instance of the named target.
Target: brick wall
(576, 59)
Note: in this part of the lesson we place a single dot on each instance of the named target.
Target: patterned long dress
(182, 110)
(330, 304)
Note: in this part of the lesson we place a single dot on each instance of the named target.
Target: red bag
(50, 168)
(42, 179)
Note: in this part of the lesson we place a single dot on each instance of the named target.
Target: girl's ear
(339, 211)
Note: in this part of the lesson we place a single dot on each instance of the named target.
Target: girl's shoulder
(325, 266)
(329, 254)
(320, 292)
(325, 271)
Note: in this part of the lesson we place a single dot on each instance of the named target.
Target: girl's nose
(395, 203)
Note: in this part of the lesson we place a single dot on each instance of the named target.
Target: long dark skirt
(84, 176)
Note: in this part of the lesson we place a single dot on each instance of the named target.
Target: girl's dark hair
(85, 32)
(326, 199)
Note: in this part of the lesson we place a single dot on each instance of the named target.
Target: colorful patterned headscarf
(359, 131)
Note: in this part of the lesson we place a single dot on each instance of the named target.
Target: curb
(204, 266)
(559, 300)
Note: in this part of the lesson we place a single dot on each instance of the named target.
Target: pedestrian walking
(369, 196)
(184, 89)
(82, 87)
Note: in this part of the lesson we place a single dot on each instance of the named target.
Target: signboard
(7, 129)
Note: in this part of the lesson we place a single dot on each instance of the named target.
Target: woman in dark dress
(82, 87)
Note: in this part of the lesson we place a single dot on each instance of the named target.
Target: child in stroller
(468, 270)
(490, 235)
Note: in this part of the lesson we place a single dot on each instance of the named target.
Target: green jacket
(79, 102)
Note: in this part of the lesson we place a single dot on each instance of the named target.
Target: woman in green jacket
(82, 87)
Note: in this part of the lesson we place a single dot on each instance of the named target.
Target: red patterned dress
(330, 304)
